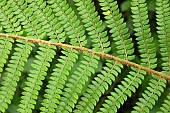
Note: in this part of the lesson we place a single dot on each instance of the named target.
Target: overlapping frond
(163, 21)
(45, 53)
(120, 94)
(69, 20)
(5, 47)
(95, 33)
(23, 49)
(93, 24)
(103, 80)
(142, 29)
(165, 106)
(7, 23)
(148, 56)
(118, 31)
(98, 87)
(125, 49)
(54, 30)
(34, 81)
(75, 31)
(13, 71)
(150, 95)
(57, 81)
(76, 83)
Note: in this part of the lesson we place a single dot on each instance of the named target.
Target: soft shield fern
(147, 49)
(85, 59)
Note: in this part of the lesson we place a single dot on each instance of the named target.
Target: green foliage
(118, 29)
(57, 81)
(147, 50)
(93, 24)
(64, 80)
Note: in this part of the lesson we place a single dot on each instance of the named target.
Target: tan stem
(100, 54)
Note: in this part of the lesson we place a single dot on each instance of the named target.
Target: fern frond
(13, 72)
(123, 36)
(93, 24)
(67, 46)
(34, 81)
(147, 50)
(69, 20)
(5, 47)
(118, 31)
(77, 82)
(150, 95)
(22, 50)
(54, 30)
(163, 21)
(119, 96)
(82, 76)
(98, 39)
(145, 41)
(10, 25)
(57, 81)
(76, 32)
(165, 106)
(49, 22)
(11, 77)
(42, 54)
(99, 85)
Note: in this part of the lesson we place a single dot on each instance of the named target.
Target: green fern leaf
(165, 106)
(16, 63)
(5, 46)
(144, 38)
(113, 18)
(70, 27)
(13, 72)
(10, 26)
(119, 96)
(98, 87)
(76, 83)
(93, 24)
(34, 81)
(69, 20)
(150, 95)
(163, 16)
(57, 81)
(118, 30)
(145, 41)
